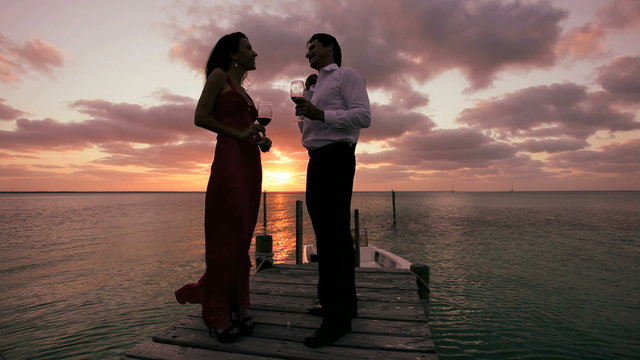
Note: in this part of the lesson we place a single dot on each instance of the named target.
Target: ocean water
(514, 275)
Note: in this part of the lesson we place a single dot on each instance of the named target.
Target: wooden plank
(158, 351)
(282, 348)
(391, 322)
(303, 321)
(366, 309)
(389, 281)
(314, 268)
(360, 337)
(311, 291)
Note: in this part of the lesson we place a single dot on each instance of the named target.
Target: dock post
(264, 210)
(299, 223)
(393, 202)
(356, 238)
(421, 272)
(264, 252)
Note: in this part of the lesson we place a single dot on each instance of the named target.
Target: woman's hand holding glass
(255, 131)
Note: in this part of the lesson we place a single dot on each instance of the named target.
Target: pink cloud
(167, 96)
(621, 78)
(449, 148)
(86, 178)
(553, 145)
(161, 137)
(433, 36)
(9, 113)
(620, 14)
(185, 157)
(549, 110)
(583, 41)
(389, 121)
(34, 55)
(617, 158)
(107, 122)
(590, 39)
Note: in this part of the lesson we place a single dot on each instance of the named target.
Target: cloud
(388, 121)
(442, 149)
(432, 37)
(167, 96)
(107, 123)
(617, 158)
(181, 158)
(582, 41)
(552, 145)
(621, 78)
(590, 39)
(618, 14)
(161, 137)
(34, 55)
(549, 111)
(9, 113)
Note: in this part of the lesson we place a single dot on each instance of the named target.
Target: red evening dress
(231, 210)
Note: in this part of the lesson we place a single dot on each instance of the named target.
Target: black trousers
(330, 175)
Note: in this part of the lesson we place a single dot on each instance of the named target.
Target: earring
(235, 64)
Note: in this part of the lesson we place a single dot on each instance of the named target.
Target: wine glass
(297, 91)
(265, 112)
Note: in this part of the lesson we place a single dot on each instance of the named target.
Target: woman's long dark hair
(219, 57)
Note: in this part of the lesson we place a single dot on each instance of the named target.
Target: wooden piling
(264, 210)
(422, 279)
(264, 252)
(299, 227)
(393, 202)
(356, 237)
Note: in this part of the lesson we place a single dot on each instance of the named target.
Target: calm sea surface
(522, 275)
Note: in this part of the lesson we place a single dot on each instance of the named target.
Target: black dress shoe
(327, 335)
(319, 311)
(316, 311)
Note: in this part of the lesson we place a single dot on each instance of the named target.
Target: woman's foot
(246, 326)
(227, 334)
(244, 322)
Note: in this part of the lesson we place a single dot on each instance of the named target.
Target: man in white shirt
(333, 116)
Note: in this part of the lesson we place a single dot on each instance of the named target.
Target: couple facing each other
(333, 115)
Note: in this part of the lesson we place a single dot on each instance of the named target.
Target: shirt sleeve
(354, 93)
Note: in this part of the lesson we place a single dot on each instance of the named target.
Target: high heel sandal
(246, 326)
(227, 335)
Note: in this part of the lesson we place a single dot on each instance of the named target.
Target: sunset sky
(100, 95)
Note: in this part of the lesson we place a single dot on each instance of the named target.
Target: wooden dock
(391, 324)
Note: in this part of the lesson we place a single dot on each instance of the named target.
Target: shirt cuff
(331, 117)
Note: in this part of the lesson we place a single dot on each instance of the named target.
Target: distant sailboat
(511, 184)
(452, 188)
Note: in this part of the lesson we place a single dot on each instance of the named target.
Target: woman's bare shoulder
(217, 76)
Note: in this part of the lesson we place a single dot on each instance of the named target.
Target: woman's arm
(213, 87)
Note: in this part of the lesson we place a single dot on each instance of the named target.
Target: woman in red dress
(233, 192)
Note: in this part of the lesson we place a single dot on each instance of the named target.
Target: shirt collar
(330, 67)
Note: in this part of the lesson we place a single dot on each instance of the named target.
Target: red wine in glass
(263, 120)
(265, 112)
(296, 91)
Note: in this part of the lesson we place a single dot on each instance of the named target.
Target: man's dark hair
(326, 40)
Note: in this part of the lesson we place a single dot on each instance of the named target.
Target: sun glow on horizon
(282, 180)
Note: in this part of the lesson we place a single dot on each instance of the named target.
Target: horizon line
(284, 191)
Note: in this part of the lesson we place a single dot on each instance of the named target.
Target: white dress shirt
(342, 93)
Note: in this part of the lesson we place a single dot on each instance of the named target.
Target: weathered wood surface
(391, 322)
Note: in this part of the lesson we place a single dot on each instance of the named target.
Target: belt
(336, 146)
